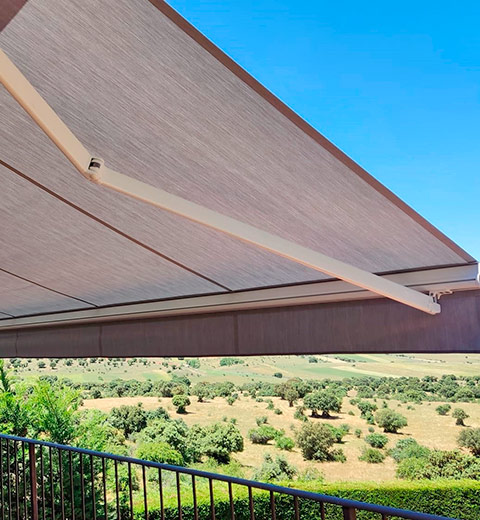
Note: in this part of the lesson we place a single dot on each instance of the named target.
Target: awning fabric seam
(110, 227)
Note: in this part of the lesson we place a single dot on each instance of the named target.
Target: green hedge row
(455, 499)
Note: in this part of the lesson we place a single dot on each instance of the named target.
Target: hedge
(457, 499)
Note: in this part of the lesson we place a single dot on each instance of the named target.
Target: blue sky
(395, 85)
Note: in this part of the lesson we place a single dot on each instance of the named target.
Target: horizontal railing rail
(41, 480)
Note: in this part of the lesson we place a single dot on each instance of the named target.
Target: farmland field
(260, 367)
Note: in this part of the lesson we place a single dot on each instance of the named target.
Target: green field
(259, 367)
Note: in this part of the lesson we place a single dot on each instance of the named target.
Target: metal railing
(43, 480)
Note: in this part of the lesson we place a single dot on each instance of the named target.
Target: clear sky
(395, 85)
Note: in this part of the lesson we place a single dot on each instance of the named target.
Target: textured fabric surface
(19, 296)
(155, 105)
(52, 244)
(354, 327)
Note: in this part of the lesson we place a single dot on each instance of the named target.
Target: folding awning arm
(95, 170)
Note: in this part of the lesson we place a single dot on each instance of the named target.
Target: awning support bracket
(95, 170)
(436, 295)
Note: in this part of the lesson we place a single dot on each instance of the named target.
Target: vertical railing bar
(17, 494)
(117, 498)
(1, 478)
(60, 478)
(272, 505)
(212, 501)
(9, 485)
(194, 493)
(349, 513)
(179, 498)
(92, 478)
(82, 486)
(297, 509)
(130, 489)
(160, 488)
(42, 484)
(72, 485)
(24, 472)
(230, 497)
(322, 511)
(104, 481)
(32, 457)
(250, 503)
(52, 490)
(145, 501)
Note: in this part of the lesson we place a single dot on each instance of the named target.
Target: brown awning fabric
(152, 96)
(370, 326)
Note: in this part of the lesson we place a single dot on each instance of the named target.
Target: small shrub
(284, 443)
(311, 474)
(372, 456)
(338, 455)
(159, 451)
(261, 420)
(262, 434)
(408, 448)
(376, 440)
(275, 469)
(443, 409)
(299, 413)
(338, 433)
(358, 433)
(277, 411)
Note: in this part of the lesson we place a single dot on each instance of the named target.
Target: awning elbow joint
(94, 171)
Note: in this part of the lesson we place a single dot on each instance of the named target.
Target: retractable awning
(243, 230)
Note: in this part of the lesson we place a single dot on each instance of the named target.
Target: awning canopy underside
(155, 99)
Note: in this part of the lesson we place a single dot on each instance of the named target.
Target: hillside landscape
(371, 421)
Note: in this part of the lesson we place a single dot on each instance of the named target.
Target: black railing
(42, 480)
